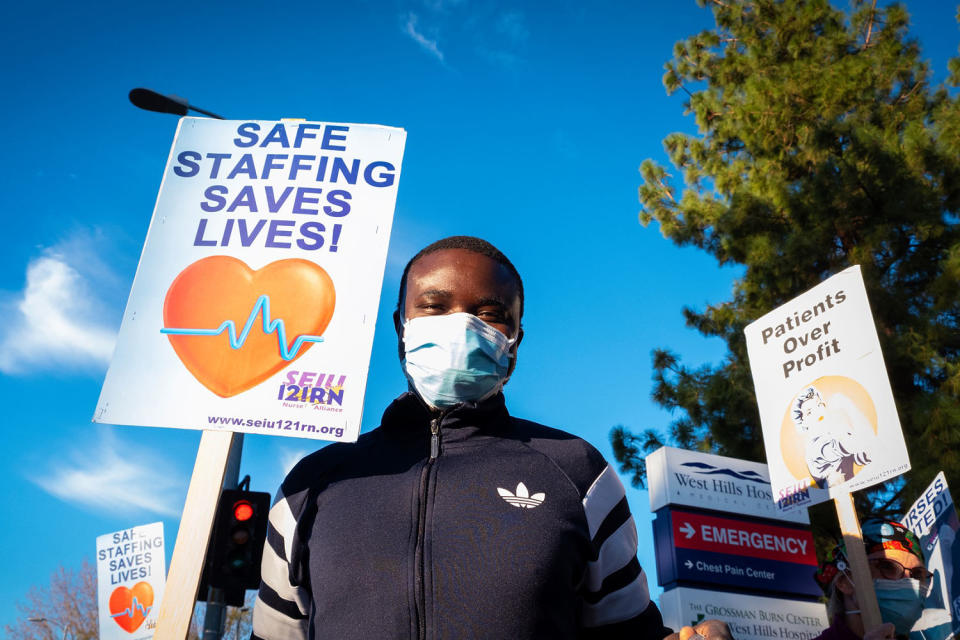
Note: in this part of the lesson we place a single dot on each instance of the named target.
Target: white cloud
(116, 478)
(59, 318)
(496, 34)
(428, 45)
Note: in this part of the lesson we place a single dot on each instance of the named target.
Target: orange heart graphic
(296, 297)
(129, 607)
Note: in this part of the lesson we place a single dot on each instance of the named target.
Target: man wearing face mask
(454, 519)
(900, 580)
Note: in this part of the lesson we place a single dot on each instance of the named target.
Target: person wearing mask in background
(900, 580)
(454, 519)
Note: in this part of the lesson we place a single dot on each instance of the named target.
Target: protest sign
(733, 552)
(933, 518)
(255, 300)
(131, 576)
(708, 481)
(749, 617)
(826, 408)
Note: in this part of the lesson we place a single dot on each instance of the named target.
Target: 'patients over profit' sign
(829, 422)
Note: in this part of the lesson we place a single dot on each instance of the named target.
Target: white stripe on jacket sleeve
(270, 624)
(281, 609)
(617, 551)
(619, 605)
(615, 586)
(602, 496)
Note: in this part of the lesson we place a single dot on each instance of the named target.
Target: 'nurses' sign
(254, 304)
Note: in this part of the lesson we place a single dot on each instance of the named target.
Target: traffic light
(236, 544)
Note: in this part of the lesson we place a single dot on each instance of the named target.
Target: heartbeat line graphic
(129, 611)
(262, 307)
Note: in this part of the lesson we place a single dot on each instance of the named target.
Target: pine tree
(822, 144)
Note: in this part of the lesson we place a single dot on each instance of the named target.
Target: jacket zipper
(419, 556)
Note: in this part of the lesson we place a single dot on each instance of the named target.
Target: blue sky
(526, 123)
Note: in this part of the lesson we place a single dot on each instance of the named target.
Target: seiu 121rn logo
(322, 390)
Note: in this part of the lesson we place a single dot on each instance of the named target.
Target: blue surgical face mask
(455, 358)
(901, 601)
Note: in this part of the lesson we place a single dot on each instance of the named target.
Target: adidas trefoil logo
(522, 498)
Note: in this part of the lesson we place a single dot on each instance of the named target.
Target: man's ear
(519, 339)
(398, 327)
(513, 350)
(847, 592)
(844, 585)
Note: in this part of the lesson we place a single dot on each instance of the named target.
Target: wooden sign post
(857, 557)
(193, 537)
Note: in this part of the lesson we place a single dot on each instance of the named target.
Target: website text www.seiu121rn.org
(278, 425)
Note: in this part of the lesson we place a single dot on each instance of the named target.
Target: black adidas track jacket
(473, 524)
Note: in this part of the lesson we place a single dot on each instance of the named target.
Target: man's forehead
(467, 264)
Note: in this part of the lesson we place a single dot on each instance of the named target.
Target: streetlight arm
(153, 101)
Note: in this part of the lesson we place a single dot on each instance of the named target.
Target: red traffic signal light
(242, 510)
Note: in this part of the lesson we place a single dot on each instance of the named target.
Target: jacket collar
(409, 415)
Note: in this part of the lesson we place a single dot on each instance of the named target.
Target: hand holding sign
(706, 630)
